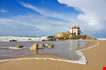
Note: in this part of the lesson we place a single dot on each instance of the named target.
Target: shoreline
(96, 60)
(91, 44)
(82, 60)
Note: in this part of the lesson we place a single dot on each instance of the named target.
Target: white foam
(14, 48)
(8, 38)
(83, 59)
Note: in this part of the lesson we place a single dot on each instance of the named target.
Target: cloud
(48, 22)
(3, 11)
(34, 8)
(34, 25)
(44, 12)
(93, 16)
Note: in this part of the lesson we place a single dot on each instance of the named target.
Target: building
(75, 30)
(72, 33)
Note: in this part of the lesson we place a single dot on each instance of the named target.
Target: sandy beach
(96, 57)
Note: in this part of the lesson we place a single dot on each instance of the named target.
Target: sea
(63, 49)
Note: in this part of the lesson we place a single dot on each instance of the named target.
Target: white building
(75, 30)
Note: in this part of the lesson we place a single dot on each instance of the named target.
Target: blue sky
(47, 17)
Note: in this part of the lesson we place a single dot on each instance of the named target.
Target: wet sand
(96, 60)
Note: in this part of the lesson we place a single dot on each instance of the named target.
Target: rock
(34, 48)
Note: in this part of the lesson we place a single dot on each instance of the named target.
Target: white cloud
(92, 19)
(34, 8)
(93, 16)
(3, 11)
(44, 12)
(35, 24)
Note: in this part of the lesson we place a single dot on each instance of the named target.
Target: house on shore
(75, 30)
(72, 33)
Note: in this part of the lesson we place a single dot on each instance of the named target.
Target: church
(75, 30)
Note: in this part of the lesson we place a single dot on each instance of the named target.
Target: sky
(47, 17)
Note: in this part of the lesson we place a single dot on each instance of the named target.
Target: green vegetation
(75, 37)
